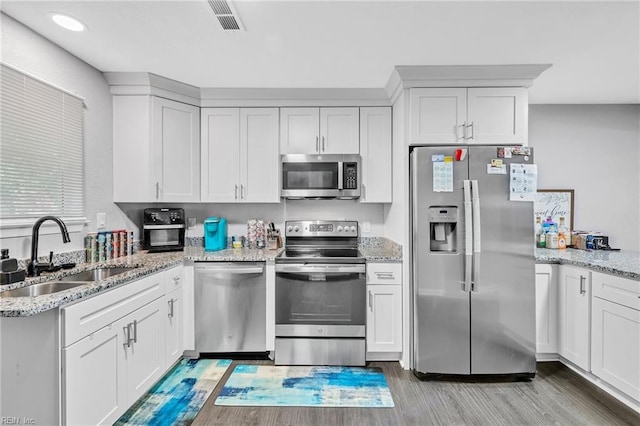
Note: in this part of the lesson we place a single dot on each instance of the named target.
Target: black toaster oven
(163, 229)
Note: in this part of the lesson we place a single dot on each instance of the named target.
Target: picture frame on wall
(554, 203)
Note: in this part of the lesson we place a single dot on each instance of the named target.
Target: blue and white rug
(267, 385)
(178, 397)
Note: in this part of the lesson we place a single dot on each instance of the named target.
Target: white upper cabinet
(376, 150)
(156, 150)
(319, 130)
(488, 115)
(240, 155)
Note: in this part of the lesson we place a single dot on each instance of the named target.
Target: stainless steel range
(320, 295)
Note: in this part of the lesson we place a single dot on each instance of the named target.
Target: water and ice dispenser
(443, 222)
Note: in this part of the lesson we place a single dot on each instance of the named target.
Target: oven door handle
(359, 268)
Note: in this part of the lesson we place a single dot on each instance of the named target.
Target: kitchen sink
(97, 274)
(42, 288)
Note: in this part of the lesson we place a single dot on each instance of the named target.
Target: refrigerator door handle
(475, 201)
(468, 235)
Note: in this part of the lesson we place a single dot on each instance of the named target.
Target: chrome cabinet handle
(317, 144)
(385, 275)
(127, 333)
(460, 127)
(371, 301)
(582, 287)
(242, 192)
(323, 144)
(157, 190)
(170, 302)
(135, 331)
(236, 191)
(473, 131)
(176, 278)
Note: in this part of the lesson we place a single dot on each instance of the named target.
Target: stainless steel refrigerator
(473, 262)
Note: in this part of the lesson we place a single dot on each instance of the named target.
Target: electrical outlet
(366, 226)
(101, 220)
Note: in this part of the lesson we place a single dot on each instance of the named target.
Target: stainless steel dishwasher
(230, 307)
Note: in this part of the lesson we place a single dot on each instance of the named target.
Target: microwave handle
(340, 175)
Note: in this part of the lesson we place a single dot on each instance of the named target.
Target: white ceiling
(594, 46)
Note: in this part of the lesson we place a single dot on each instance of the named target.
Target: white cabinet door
(376, 152)
(384, 318)
(497, 115)
(176, 150)
(546, 308)
(615, 345)
(174, 341)
(260, 159)
(220, 175)
(339, 131)
(574, 321)
(299, 130)
(93, 378)
(145, 352)
(156, 150)
(438, 115)
(174, 315)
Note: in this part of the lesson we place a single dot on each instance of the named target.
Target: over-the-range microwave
(320, 176)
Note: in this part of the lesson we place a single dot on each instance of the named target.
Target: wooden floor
(556, 396)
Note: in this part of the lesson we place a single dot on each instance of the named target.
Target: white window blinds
(41, 149)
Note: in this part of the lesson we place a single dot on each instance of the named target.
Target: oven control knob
(296, 228)
(353, 229)
(339, 228)
(320, 330)
(289, 228)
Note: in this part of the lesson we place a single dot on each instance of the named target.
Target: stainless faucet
(34, 267)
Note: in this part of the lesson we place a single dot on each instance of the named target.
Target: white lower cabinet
(384, 310)
(615, 332)
(128, 344)
(174, 318)
(546, 309)
(573, 314)
(94, 389)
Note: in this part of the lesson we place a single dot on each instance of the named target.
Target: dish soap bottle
(563, 235)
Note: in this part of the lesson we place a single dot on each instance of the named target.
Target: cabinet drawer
(620, 290)
(384, 273)
(174, 278)
(88, 316)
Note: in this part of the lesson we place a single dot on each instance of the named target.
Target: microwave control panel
(350, 176)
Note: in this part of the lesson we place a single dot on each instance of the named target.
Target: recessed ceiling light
(67, 22)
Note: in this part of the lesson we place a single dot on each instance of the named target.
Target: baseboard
(546, 357)
(620, 396)
(383, 356)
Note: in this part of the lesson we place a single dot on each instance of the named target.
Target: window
(41, 149)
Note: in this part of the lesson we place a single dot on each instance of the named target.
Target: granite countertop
(143, 263)
(624, 263)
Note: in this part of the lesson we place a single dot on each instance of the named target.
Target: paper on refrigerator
(523, 182)
(442, 173)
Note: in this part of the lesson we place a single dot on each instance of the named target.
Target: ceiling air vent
(226, 14)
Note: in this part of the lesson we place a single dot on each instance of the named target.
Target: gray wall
(595, 150)
(37, 56)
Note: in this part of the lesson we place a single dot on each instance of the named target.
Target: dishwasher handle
(228, 269)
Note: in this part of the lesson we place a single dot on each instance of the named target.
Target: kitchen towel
(304, 386)
(178, 397)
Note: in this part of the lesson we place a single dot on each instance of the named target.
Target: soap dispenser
(9, 272)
